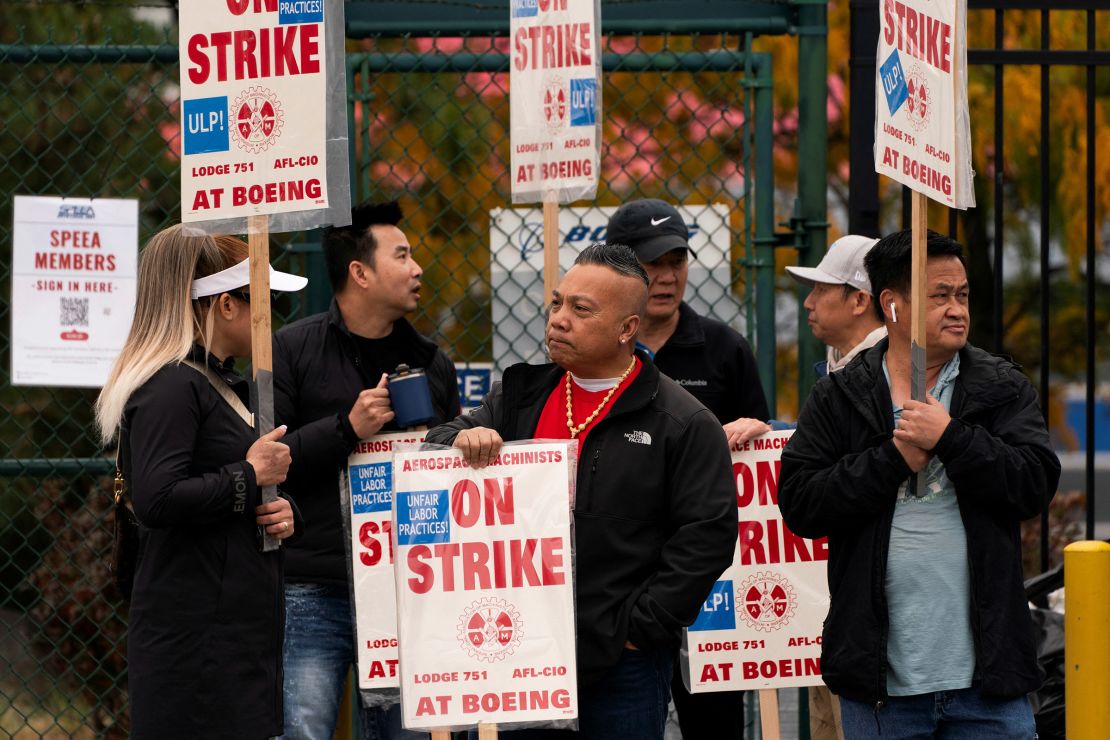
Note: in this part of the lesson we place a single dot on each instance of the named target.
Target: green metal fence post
(813, 93)
(765, 229)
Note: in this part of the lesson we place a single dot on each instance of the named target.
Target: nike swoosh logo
(656, 223)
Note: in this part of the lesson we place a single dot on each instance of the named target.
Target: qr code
(75, 312)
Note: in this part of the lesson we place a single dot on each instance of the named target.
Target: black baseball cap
(650, 226)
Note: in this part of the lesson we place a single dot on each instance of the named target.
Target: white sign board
(760, 627)
(922, 126)
(74, 262)
(516, 264)
(370, 481)
(253, 108)
(484, 587)
(554, 99)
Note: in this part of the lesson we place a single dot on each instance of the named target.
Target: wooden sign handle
(258, 241)
(919, 225)
(262, 349)
(769, 713)
(550, 246)
(485, 732)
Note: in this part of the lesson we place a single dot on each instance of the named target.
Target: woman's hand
(270, 458)
(276, 517)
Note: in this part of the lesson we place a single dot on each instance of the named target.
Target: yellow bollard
(1087, 639)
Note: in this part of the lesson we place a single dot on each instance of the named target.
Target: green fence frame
(806, 228)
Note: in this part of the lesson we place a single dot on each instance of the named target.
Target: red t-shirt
(553, 418)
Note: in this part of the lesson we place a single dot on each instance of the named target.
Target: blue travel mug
(410, 397)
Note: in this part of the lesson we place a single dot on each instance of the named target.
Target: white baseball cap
(239, 276)
(842, 264)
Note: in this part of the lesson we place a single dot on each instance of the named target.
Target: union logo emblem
(555, 104)
(919, 104)
(490, 629)
(256, 120)
(768, 600)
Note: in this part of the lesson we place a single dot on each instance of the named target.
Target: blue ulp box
(525, 8)
(372, 487)
(583, 102)
(894, 82)
(300, 11)
(719, 610)
(205, 128)
(422, 517)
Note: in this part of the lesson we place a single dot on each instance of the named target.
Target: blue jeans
(319, 650)
(630, 702)
(953, 715)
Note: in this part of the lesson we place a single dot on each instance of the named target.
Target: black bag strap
(118, 487)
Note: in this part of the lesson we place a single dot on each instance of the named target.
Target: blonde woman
(207, 613)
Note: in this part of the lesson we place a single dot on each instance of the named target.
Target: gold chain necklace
(574, 430)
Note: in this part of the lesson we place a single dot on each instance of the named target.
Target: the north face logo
(638, 437)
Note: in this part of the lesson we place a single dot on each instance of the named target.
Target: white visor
(239, 276)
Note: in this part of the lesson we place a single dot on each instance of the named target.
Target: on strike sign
(74, 262)
(760, 627)
(484, 587)
(253, 108)
(370, 481)
(554, 99)
(922, 126)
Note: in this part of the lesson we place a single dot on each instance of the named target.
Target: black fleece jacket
(654, 511)
(318, 374)
(715, 365)
(207, 613)
(840, 477)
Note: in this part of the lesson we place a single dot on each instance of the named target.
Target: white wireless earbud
(893, 314)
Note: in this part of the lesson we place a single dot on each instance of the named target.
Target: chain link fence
(90, 102)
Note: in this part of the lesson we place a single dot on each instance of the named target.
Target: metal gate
(89, 102)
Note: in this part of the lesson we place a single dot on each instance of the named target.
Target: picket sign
(485, 603)
(256, 142)
(923, 134)
(555, 111)
(759, 628)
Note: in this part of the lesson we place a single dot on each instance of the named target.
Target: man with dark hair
(715, 364)
(655, 501)
(705, 356)
(330, 388)
(928, 632)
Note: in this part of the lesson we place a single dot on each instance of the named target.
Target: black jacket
(654, 512)
(317, 377)
(207, 613)
(840, 477)
(715, 364)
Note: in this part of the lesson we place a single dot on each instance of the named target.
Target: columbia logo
(638, 437)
